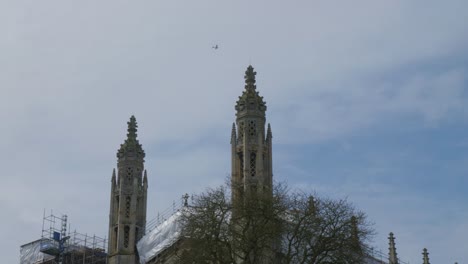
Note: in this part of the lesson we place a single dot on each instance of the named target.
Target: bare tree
(287, 228)
(323, 231)
(207, 229)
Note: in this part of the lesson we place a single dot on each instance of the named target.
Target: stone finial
(392, 255)
(132, 128)
(145, 179)
(131, 146)
(425, 256)
(250, 78)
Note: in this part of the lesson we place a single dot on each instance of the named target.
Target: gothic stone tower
(127, 218)
(251, 148)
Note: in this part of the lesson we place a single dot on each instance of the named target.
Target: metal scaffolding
(58, 245)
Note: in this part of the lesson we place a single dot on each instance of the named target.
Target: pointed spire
(145, 179)
(113, 176)
(269, 134)
(392, 255)
(131, 147)
(250, 78)
(233, 133)
(425, 256)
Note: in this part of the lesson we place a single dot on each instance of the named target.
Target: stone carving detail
(131, 147)
(250, 96)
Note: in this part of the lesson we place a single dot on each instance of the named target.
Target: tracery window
(252, 128)
(253, 163)
(129, 173)
(128, 200)
(126, 236)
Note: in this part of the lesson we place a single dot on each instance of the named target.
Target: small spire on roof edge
(113, 176)
(269, 134)
(233, 133)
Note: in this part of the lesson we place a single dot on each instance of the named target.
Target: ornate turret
(250, 145)
(392, 255)
(127, 218)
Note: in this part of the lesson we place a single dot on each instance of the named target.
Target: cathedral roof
(250, 100)
(131, 147)
(161, 237)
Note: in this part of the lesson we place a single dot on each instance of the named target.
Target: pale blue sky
(367, 100)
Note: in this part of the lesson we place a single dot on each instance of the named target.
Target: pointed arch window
(252, 128)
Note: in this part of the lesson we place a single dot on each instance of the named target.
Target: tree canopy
(288, 227)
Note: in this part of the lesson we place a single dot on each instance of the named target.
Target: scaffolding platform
(58, 245)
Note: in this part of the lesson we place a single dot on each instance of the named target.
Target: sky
(367, 101)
